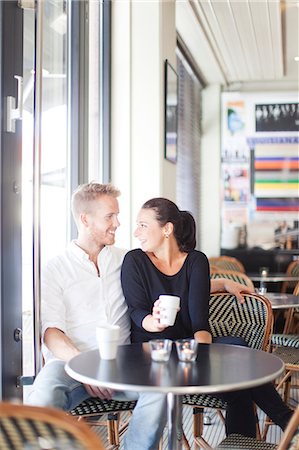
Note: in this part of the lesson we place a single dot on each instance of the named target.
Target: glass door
(45, 160)
(54, 142)
(11, 20)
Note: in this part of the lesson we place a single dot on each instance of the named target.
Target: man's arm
(59, 344)
(63, 348)
(226, 285)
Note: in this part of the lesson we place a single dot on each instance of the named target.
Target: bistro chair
(227, 263)
(252, 321)
(290, 357)
(289, 440)
(31, 427)
(239, 277)
(92, 410)
(292, 271)
(287, 338)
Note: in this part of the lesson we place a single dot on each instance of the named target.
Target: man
(81, 289)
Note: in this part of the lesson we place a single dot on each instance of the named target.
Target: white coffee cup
(108, 339)
(169, 305)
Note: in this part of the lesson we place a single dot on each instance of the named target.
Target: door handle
(14, 113)
(18, 335)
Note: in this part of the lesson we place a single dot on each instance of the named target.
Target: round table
(272, 277)
(282, 301)
(218, 368)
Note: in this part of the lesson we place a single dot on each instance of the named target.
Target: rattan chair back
(290, 437)
(239, 277)
(251, 320)
(292, 271)
(24, 426)
(227, 263)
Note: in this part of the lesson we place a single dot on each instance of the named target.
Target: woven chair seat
(289, 355)
(285, 340)
(204, 401)
(238, 442)
(96, 406)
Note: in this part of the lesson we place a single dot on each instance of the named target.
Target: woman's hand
(224, 284)
(152, 321)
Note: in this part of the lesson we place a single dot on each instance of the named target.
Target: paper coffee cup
(169, 305)
(108, 338)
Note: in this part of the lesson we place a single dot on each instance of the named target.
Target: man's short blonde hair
(85, 194)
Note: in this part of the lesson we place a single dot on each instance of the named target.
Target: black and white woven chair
(289, 441)
(252, 321)
(292, 271)
(227, 263)
(287, 338)
(93, 409)
(239, 277)
(23, 426)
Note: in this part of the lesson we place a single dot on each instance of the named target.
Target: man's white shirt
(75, 299)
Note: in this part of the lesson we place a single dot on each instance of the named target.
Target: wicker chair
(252, 321)
(292, 271)
(227, 263)
(289, 440)
(23, 426)
(287, 338)
(240, 277)
(92, 410)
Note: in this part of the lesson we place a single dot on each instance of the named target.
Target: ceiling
(242, 43)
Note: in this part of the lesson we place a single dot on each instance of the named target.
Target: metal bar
(174, 411)
(38, 64)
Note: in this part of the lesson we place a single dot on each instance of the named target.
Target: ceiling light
(296, 58)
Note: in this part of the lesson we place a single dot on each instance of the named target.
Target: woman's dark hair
(183, 221)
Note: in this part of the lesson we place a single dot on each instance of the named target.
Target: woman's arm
(226, 285)
(134, 280)
(199, 297)
(203, 337)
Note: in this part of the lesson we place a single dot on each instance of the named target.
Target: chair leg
(197, 421)
(112, 426)
(267, 424)
(185, 442)
(199, 441)
(285, 384)
(220, 414)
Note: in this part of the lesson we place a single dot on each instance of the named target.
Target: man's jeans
(54, 387)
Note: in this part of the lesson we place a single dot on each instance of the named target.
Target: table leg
(174, 411)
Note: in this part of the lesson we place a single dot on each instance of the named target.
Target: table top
(282, 301)
(271, 277)
(218, 368)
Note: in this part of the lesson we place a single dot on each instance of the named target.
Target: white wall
(144, 35)
(210, 173)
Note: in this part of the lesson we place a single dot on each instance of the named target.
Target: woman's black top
(142, 284)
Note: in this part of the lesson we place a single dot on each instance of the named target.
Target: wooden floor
(214, 432)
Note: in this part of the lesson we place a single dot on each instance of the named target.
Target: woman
(168, 263)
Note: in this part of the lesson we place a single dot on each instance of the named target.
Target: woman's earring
(167, 236)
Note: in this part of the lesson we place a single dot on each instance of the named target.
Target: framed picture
(171, 113)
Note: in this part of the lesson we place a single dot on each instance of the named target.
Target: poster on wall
(234, 147)
(276, 177)
(276, 117)
(260, 166)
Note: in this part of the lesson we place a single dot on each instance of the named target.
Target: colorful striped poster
(276, 181)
